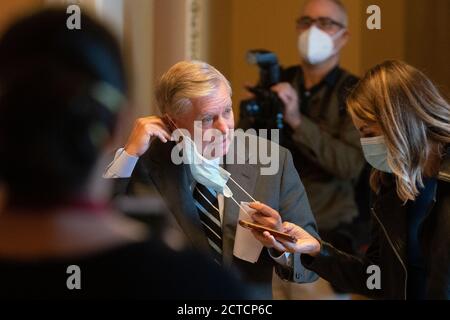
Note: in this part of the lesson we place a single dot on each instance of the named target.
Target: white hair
(185, 81)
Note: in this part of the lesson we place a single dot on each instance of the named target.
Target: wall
(139, 54)
(389, 42)
(428, 39)
(11, 10)
(156, 35)
(237, 26)
(416, 31)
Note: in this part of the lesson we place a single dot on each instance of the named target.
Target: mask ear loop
(242, 208)
(172, 123)
(243, 189)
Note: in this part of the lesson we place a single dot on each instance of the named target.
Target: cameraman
(318, 131)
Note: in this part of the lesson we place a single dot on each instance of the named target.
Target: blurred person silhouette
(62, 98)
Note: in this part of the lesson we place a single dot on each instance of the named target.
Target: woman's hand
(270, 218)
(305, 243)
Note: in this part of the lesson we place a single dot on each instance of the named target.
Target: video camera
(265, 110)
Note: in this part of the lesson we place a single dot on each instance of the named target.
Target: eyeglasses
(324, 23)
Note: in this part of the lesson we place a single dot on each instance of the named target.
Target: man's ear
(342, 41)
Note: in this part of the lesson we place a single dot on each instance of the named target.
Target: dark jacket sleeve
(139, 184)
(438, 284)
(345, 271)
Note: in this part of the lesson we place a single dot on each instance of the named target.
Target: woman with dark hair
(405, 135)
(62, 94)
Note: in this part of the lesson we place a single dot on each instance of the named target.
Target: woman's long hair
(412, 115)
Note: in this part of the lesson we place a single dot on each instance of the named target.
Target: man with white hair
(196, 96)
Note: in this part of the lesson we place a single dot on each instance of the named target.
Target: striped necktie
(208, 210)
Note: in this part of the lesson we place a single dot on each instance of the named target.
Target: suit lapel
(172, 182)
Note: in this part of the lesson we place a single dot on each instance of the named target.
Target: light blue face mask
(375, 152)
(205, 171)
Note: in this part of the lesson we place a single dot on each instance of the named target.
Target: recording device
(265, 110)
(260, 228)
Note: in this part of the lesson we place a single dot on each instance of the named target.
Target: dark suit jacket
(283, 191)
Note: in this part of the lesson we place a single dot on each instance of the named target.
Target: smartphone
(260, 228)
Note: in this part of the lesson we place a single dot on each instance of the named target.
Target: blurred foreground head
(61, 92)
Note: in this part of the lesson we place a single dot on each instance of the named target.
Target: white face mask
(205, 171)
(375, 152)
(316, 46)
